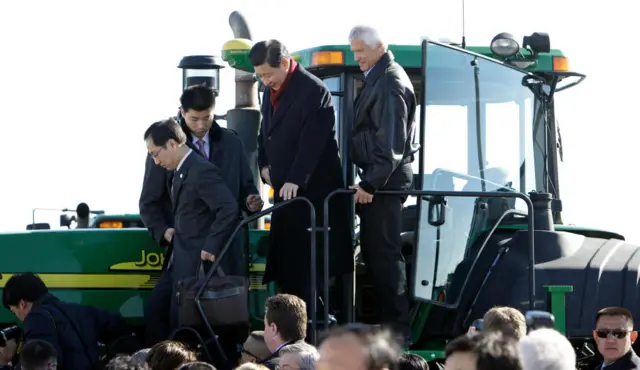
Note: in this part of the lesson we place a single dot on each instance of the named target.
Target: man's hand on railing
(361, 196)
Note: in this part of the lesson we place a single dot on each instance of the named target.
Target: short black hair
(198, 98)
(163, 131)
(494, 350)
(270, 52)
(36, 354)
(25, 286)
(411, 361)
(615, 311)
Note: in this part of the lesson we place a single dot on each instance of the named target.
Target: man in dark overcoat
(298, 156)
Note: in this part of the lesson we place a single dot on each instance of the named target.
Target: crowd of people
(503, 342)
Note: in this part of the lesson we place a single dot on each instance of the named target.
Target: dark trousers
(160, 311)
(302, 289)
(380, 228)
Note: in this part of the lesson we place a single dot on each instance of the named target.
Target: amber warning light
(560, 64)
(326, 57)
(111, 225)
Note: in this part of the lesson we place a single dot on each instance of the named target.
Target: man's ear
(285, 63)
(634, 336)
(182, 112)
(595, 336)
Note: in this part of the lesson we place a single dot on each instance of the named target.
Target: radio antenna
(464, 39)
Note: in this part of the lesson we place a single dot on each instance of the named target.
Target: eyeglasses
(616, 333)
(155, 154)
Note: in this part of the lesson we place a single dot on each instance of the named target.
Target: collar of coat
(215, 132)
(379, 68)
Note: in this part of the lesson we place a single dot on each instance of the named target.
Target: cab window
(334, 84)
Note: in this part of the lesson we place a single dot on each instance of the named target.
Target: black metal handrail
(423, 194)
(253, 217)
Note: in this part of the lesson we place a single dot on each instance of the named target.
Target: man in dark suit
(298, 156)
(383, 146)
(205, 212)
(614, 336)
(224, 148)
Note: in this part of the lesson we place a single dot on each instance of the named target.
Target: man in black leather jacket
(382, 146)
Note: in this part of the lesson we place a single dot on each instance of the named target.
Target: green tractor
(483, 226)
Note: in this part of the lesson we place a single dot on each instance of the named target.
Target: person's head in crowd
(359, 347)
(285, 320)
(197, 365)
(547, 349)
(141, 355)
(251, 366)
(38, 354)
(483, 351)
(197, 105)
(507, 320)
(254, 348)
(126, 363)
(169, 355)
(614, 333)
(21, 291)
(298, 356)
(410, 361)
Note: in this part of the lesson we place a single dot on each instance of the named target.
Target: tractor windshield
(481, 124)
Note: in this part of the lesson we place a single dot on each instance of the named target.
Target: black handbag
(225, 299)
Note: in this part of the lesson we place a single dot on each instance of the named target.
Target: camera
(7, 334)
(539, 319)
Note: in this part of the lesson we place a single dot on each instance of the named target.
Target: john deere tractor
(483, 225)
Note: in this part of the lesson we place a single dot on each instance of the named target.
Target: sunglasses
(616, 333)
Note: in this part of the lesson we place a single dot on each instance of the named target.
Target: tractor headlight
(504, 45)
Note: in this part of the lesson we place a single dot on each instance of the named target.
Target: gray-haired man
(382, 146)
(298, 356)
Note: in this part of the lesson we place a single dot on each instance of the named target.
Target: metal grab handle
(255, 216)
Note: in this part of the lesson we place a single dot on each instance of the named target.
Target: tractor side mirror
(437, 210)
(66, 220)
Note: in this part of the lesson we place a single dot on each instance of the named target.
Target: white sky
(81, 80)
